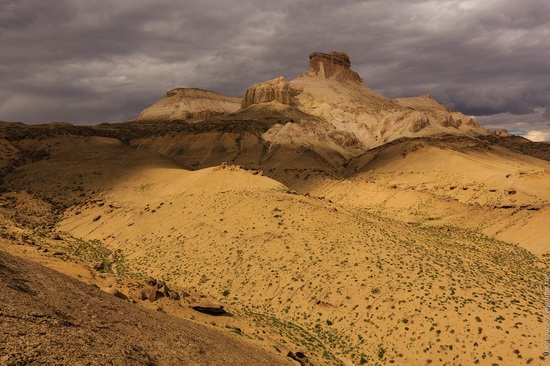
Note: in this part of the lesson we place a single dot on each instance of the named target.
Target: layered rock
(439, 115)
(334, 65)
(331, 97)
(328, 100)
(276, 90)
(187, 103)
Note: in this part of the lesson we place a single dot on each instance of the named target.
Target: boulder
(148, 293)
(174, 295)
(150, 281)
(300, 357)
(211, 310)
(155, 289)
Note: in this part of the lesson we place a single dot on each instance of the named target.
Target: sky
(94, 61)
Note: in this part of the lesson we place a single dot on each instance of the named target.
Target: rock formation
(328, 107)
(332, 65)
(186, 104)
(211, 310)
(330, 97)
(276, 90)
(300, 357)
(154, 290)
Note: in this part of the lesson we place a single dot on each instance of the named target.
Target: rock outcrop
(211, 310)
(48, 318)
(500, 133)
(154, 290)
(334, 65)
(190, 104)
(330, 99)
(276, 90)
(300, 357)
(327, 108)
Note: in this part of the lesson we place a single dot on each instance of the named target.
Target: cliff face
(186, 103)
(276, 90)
(334, 65)
(328, 100)
(334, 96)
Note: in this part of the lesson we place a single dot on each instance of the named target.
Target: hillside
(276, 259)
(324, 274)
(325, 219)
(41, 310)
(187, 104)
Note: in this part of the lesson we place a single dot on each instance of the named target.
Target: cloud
(534, 135)
(537, 120)
(90, 62)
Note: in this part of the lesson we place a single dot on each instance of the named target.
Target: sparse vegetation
(346, 272)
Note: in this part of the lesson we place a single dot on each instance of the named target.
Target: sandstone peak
(340, 58)
(275, 90)
(330, 94)
(333, 65)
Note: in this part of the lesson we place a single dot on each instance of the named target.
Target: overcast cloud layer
(92, 61)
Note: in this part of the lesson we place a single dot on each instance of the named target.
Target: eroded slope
(48, 318)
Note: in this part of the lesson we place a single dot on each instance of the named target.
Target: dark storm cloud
(93, 61)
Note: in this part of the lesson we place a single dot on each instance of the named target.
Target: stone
(147, 293)
(160, 284)
(333, 65)
(150, 281)
(174, 295)
(300, 357)
(98, 266)
(56, 236)
(155, 289)
(276, 90)
(211, 310)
